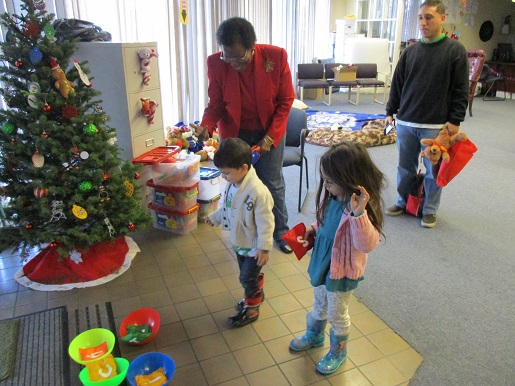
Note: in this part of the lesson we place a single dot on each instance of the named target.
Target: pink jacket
(354, 239)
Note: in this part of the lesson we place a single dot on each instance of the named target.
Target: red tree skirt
(101, 263)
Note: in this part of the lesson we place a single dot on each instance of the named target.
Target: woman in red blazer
(250, 96)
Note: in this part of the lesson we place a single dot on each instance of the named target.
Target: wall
(494, 10)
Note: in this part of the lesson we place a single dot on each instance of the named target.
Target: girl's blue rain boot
(336, 356)
(314, 337)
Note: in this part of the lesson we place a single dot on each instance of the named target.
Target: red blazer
(273, 88)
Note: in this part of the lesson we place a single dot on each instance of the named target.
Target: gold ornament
(79, 212)
(130, 188)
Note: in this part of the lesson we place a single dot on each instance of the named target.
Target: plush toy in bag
(449, 154)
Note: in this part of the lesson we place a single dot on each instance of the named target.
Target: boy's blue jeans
(409, 147)
(249, 272)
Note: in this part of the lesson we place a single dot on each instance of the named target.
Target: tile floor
(192, 280)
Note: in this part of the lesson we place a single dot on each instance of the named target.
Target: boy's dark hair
(233, 153)
(236, 30)
(440, 7)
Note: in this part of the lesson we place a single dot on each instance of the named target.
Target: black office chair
(296, 132)
(487, 76)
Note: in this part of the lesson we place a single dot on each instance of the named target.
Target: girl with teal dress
(348, 226)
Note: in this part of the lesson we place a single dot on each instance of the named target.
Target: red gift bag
(295, 239)
(460, 154)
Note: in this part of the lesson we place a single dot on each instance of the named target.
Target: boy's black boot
(261, 279)
(249, 312)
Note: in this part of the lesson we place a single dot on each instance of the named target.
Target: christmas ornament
(57, 210)
(110, 227)
(28, 226)
(106, 175)
(85, 186)
(18, 63)
(79, 212)
(53, 245)
(8, 127)
(76, 256)
(40, 192)
(33, 88)
(131, 226)
(47, 107)
(38, 160)
(45, 135)
(50, 32)
(90, 129)
(82, 75)
(68, 112)
(137, 176)
(102, 194)
(61, 83)
(31, 30)
(84, 155)
(39, 4)
(145, 54)
(130, 188)
(35, 55)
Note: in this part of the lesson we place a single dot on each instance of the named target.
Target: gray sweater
(431, 83)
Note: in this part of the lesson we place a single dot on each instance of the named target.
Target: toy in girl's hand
(295, 239)
(437, 148)
(255, 154)
(61, 83)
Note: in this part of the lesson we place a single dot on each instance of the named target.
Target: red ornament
(18, 64)
(106, 175)
(53, 244)
(47, 107)
(45, 135)
(131, 226)
(28, 226)
(31, 30)
(40, 192)
(137, 176)
(69, 112)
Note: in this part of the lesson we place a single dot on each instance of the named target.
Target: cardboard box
(345, 73)
(313, 93)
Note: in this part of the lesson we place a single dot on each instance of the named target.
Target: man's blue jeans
(269, 169)
(409, 146)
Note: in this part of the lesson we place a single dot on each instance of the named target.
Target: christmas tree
(62, 182)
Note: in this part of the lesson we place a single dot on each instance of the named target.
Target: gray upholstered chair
(296, 132)
(310, 76)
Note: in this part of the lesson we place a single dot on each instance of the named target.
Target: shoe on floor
(428, 221)
(394, 211)
(245, 316)
(283, 246)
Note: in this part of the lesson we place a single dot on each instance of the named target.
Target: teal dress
(321, 256)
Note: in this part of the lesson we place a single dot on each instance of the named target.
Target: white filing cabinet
(116, 72)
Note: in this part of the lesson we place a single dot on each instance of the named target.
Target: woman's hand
(201, 132)
(359, 203)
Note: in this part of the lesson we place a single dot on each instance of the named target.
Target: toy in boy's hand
(255, 154)
(438, 148)
(295, 239)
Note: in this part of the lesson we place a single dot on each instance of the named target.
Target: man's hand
(201, 132)
(388, 120)
(452, 129)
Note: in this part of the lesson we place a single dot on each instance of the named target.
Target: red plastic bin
(161, 154)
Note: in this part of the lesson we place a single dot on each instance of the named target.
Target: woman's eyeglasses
(234, 60)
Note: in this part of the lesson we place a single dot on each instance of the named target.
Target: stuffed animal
(61, 82)
(174, 137)
(209, 149)
(436, 149)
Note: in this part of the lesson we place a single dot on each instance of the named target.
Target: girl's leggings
(333, 306)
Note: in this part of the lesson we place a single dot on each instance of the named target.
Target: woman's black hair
(236, 30)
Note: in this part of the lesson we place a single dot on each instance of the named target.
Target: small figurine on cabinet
(145, 54)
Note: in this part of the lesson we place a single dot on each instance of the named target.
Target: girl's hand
(359, 203)
(310, 231)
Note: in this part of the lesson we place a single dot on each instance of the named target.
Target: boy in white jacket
(246, 211)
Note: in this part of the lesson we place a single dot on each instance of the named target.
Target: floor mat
(338, 119)
(8, 335)
(85, 318)
(41, 350)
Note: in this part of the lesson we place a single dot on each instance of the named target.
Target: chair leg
(302, 94)
(494, 98)
(302, 198)
(330, 97)
(355, 103)
(470, 105)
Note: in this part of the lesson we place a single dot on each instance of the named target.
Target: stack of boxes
(209, 191)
